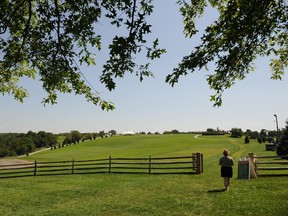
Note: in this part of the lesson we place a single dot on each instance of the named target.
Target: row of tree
(262, 136)
(279, 138)
(75, 136)
(211, 131)
(13, 144)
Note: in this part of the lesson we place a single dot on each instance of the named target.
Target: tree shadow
(216, 191)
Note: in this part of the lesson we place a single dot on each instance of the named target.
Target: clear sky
(153, 105)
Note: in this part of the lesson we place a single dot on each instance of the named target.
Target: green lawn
(124, 194)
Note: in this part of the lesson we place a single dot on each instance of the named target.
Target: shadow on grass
(216, 191)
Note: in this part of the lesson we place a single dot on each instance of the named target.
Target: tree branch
(58, 26)
(132, 20)
(10, 17)
(26, 30)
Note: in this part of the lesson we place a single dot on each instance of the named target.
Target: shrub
(247, 140)
(282, 147)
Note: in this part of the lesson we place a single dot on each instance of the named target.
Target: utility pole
(277, 128)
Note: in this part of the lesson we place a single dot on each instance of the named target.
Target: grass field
(122, 194)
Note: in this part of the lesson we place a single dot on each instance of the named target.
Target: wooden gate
(270, 165)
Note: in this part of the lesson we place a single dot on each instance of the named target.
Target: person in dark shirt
(226, 162)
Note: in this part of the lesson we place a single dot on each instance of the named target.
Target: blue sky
(153, 105)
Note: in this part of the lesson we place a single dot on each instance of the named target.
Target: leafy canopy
(245, 30)
(50, 38)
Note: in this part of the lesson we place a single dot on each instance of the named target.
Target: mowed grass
(124, 194)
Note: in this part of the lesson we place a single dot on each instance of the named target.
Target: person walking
(226, 162)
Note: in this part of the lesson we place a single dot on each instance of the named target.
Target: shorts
(226, 172)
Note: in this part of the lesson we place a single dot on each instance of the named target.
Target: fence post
(202, 166)
(110, 159)
(198, 163)
(149, 164)
(253, 161)
(193, 162)
(251, 156)
(73, 166)
(35, 168)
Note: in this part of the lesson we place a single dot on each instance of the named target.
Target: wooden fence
(270, 165)
(170, 165)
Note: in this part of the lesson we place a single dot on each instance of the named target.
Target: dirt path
(14, 161)
(8, 161)
(237, 154)
(35, 152)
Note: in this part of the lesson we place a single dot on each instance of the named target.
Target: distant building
(128, 133)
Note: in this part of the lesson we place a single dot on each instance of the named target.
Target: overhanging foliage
(51, 38)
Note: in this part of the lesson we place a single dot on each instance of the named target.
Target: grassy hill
(104, 194)
(144, 145)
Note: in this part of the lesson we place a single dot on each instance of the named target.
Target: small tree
(175, 131)
(75, 136)
(282, 147)
(67, 140)
(102, 134)
(94, 136)
(247, 140)
(112, 132)
(254, 135)
(248, 132)
(236, 132)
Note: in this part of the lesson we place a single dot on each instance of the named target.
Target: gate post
(253, 161)
(251, 156)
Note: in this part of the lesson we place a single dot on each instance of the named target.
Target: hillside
(147, 195)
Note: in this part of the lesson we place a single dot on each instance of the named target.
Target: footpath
(14, 160)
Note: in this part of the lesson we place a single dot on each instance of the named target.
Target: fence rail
(270, 165)
(170, 165)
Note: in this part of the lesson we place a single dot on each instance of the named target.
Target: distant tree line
(211, 131)
(279, 138)
(263, 136)
(14, 144)
(172, 132)
(75, 136)
(175, 131)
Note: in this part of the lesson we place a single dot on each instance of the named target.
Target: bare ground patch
(13, 162)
